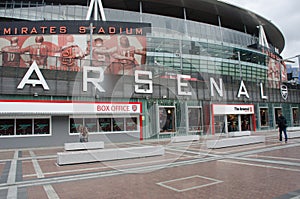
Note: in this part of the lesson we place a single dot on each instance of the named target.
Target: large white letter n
(41, 80)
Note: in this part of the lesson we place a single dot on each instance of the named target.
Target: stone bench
(236, 141)
(83, 146)
(293, 132)
(239, 133)
(77, 157)
(293, 128)
(185, 138)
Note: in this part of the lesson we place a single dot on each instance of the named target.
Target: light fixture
(35, 94)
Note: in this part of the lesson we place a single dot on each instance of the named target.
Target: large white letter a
(41, 80)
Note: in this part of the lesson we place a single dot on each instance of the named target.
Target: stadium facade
(136, 70)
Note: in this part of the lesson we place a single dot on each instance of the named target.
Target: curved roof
(206, 11)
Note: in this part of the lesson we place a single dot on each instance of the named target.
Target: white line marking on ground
(163, 184)
(12, 192)
(111, 166)
(260, 165)
(197, 154)
(179, 154)
(48, 188)
(273, 157)
(250, 148)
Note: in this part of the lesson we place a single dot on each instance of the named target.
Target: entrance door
(167, 119)
(246, 122)
(277, 111)
(233, 123)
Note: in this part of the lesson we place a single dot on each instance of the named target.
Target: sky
(284, 14)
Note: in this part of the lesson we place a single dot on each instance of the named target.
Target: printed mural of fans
(11, 54)
(100, 53)
(124, 58)
(38, 52)
(70, 54)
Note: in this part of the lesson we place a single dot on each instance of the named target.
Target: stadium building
(136, 70)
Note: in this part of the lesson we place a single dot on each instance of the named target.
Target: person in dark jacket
(282, 124)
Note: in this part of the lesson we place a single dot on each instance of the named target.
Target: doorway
(232, 123)
(277, 111)
(246, 122)
(167, 119)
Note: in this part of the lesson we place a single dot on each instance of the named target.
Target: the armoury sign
(143, 83)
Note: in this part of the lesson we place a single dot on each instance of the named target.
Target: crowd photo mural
(117, 47)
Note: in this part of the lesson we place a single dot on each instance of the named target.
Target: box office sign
(66, 107)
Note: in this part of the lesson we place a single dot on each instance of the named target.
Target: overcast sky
(282, 13)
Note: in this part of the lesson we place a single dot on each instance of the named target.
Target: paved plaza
(187, 170)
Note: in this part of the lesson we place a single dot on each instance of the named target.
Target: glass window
(295, 116)
(105, 124)
(7, 127)
(24, 126)
(42, 126)
(232, 123)
(246, 122)
(74, 123)
(264, 117)
(118, 124)
(194, 117)
(91, 124)
(131, 124)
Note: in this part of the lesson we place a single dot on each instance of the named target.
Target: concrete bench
(185, 138)
(83, 146)
(237, 141)
(239, 133)
(293, 128)
(76, 157)
(293, 132)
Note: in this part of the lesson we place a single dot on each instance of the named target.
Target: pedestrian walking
(282, 124)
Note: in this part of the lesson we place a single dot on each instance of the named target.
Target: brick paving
(187, 170)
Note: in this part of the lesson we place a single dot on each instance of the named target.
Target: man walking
(282, 124)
